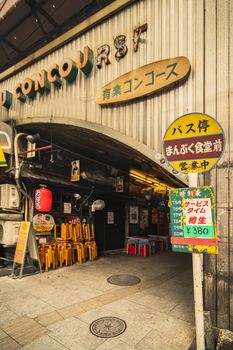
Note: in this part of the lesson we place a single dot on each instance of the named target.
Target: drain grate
(108, 327)
(124, 280)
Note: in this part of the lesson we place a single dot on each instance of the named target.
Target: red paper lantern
(43, 199)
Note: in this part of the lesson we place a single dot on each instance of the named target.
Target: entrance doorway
(109, 226)
(130, 209)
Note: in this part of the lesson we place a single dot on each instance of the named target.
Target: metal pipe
(17, 174)
(16, 153)
(198, 284)
(36, 149)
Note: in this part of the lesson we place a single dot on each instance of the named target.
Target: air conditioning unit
(9, 232)
(9, 197)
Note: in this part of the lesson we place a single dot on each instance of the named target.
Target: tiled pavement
(54, 310)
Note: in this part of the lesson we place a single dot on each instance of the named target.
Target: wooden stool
(48, 255)
(77, 233)
(64, 250)
(90, 250)
(78, 247)
(88, 232)
(66, 233)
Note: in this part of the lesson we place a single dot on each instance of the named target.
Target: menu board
(193, 220)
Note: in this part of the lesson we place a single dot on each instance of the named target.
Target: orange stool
(64, 250)
(79, 248)
(48, 255)
(91, 250)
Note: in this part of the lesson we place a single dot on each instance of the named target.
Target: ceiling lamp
(141, 177)
(145, 179)
(98, 204)
(77, 196)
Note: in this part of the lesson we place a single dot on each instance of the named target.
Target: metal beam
(40, 24)
(38, 8)
(13, 47)
(4, 51)
(17, 24)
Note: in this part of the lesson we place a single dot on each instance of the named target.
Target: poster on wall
(120, 184)
(133, 215)
(67, 208)
(110, 218)
(154, 216)
(43, 222)
(144, 217)
(75, 170)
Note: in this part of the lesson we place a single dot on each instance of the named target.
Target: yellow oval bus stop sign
(194, 143)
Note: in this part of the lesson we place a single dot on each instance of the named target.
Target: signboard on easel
(26, 241)
(20, 250)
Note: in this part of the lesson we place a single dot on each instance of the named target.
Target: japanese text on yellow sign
(194, 143)
(22, 242)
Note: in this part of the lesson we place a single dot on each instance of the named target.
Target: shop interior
(88, 195)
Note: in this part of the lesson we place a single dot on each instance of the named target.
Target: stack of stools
(90, 246)
(64, 247)
(88, 232)
(64, 251)
(48, 255)
(78, 251)
(76, 242)
(90, 250)
(83, 242)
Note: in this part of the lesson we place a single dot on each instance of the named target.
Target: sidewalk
(54, 310)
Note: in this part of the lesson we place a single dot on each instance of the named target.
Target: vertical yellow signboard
(22, 242)
(2, 158)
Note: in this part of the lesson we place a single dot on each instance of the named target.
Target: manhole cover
(108, 327)
(124, 280)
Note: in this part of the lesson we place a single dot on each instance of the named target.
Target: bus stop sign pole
(197, 260)
(193, 144)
